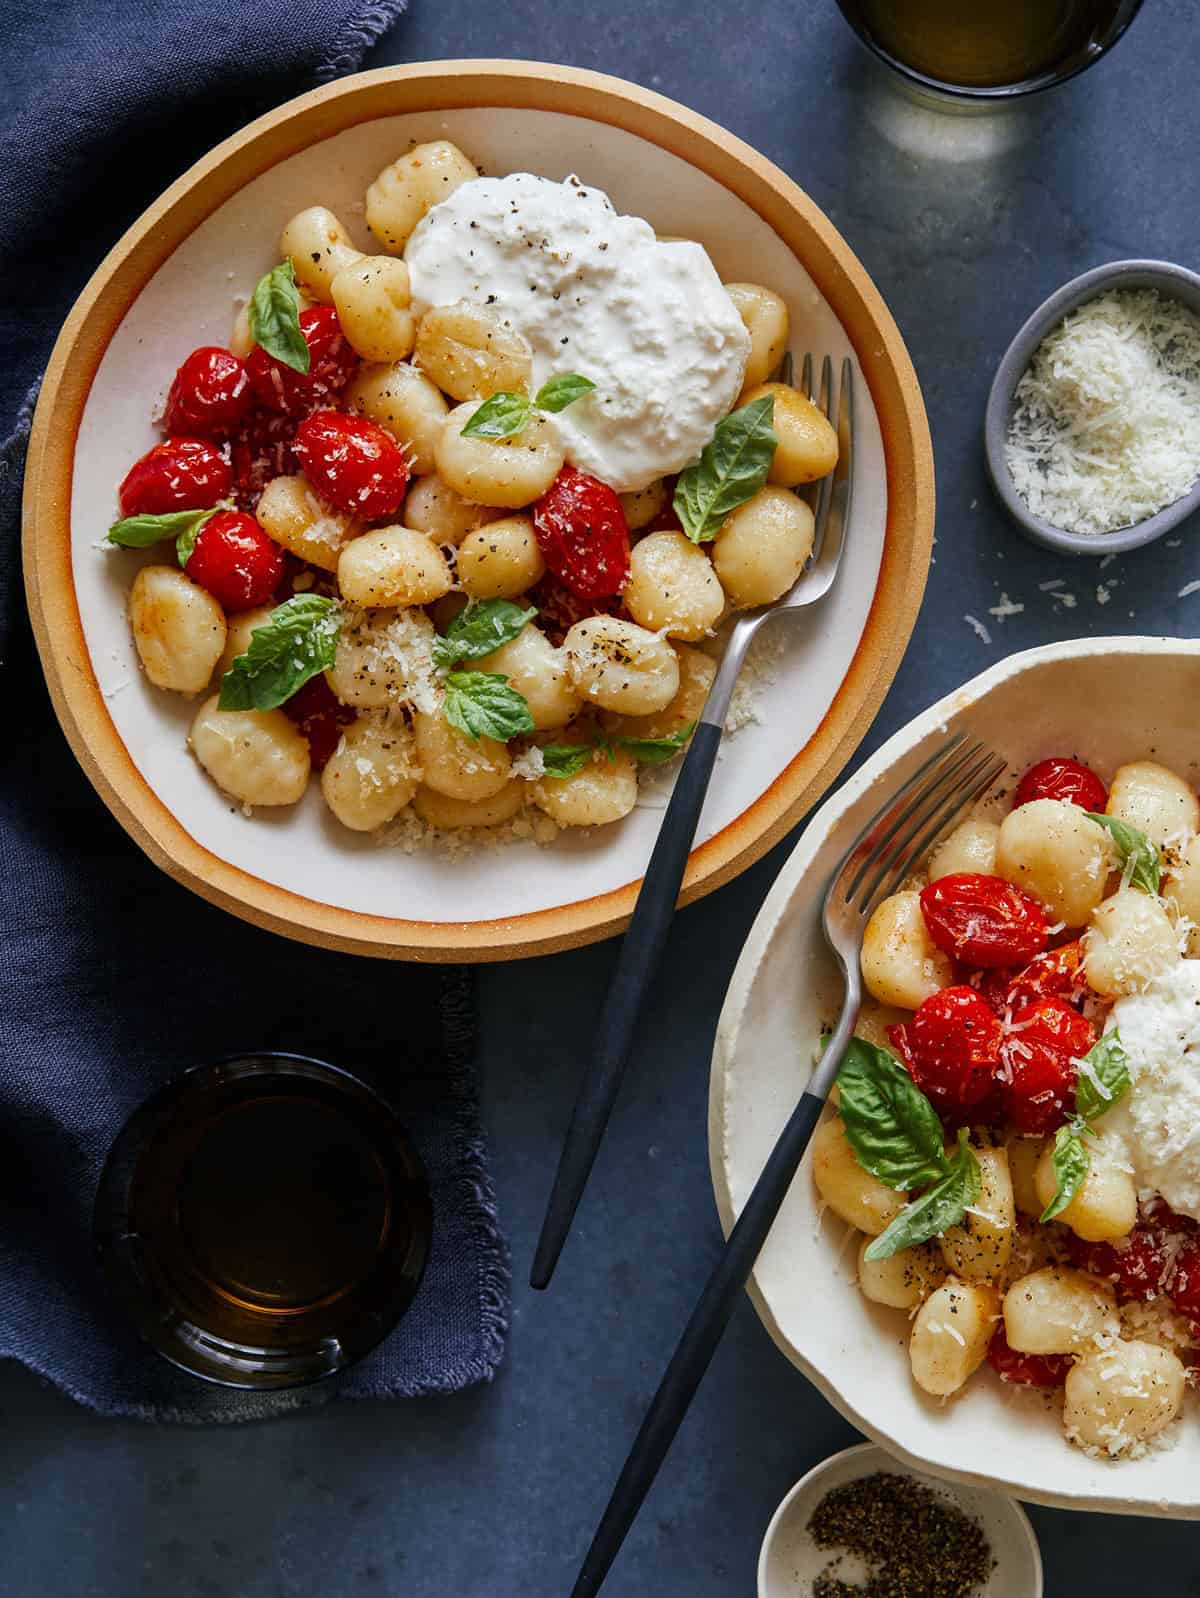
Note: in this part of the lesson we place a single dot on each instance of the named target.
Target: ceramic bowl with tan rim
(171, 284)
(1107, 701)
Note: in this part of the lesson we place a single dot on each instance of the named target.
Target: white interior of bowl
(1106, 701)
(191, 301)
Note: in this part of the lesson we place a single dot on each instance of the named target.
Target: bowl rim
(760, 936)
(431, 87)
(1022, 1526)
(1136, 273)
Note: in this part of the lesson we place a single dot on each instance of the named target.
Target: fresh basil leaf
(1133, 845)
(892, 1127)
(483, 704)
(944, 1205)
(731, 468)
(479, 629)
(275, 318)
(1071, 1163)
(501, 416)
(299, 641)
(655, 751)
(139, 532)
(185, 542)
(1103, 1077)
(560, 392)
(565, 760)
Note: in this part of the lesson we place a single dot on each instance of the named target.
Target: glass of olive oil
(264, 1221)
(988, 50)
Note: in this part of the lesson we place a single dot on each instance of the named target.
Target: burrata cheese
(1159, 1120)
(594, 293)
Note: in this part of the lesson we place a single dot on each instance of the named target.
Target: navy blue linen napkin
(112, 977)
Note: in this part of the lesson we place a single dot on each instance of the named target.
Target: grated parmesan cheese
(1105, 429)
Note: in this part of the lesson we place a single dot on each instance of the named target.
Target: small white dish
(1106, 701)
(790, 1560)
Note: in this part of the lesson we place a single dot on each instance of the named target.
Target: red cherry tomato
(1030, 1370)
(331, 361)
(951, 1048)
(1137, 1264)
(1059, 777)
(210, 394)
(352, 464)
(559, 609)
(236, 561)
(582, 534)
(1053, 974)
(1041, 1050)
(983, 920)
(182, 474)
(1157, 1213)
(320, 715)
(1185, 1282)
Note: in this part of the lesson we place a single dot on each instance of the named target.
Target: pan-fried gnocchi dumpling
(1122, 1395)
(433, 508)
(762, 546)
(294, 517)
(980, 1245)
(393, 566)
(256, 756)
(373, 772)
(642, 505)
(384, 657)
(509, 472)
(456, 765)
(237, 634)
(470, 353)
(1181, 891)
(1105, 1207)
(439, 810)
(1058, 1310)
(372, 297)
(620, 666)
(970, 847)
(603, 790)
(902, 1280)
(766, 318)
(500, 560)
(1130, 941)
(1154, 800)
(538, 671)
(950, 1336)
(407, 404)
(850, 1191)
(672, 587)
(901, 964)
(318, 247)
(404, 191)
(178, 629)
(696, 672)
(1054, 851)
(1024, 1153)
(807, 447)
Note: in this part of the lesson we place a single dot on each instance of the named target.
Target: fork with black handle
(884, 854)
(645, 939)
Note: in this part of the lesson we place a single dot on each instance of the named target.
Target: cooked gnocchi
(419, 554)
(1034, 989)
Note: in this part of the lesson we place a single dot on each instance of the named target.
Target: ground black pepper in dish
(914, 1542)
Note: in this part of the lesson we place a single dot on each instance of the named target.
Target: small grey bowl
(1168, 279)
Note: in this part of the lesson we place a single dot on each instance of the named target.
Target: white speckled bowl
(1106, 700)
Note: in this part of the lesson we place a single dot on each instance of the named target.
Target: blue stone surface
(965, 226)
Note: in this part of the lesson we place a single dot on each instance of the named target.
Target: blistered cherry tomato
(559, 609)
(236, 561)
(1059, 777)
(983, 920)
(1185, 1281)
(210, 394)
(582, 534)
(353, 464)
(1137, 1264)
(1157, 1213)
(1042, 1047)
(320, 715)
(182, 474)
(1030, 1370)
(1053, 974)
(331, 361)
(951, 1048)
